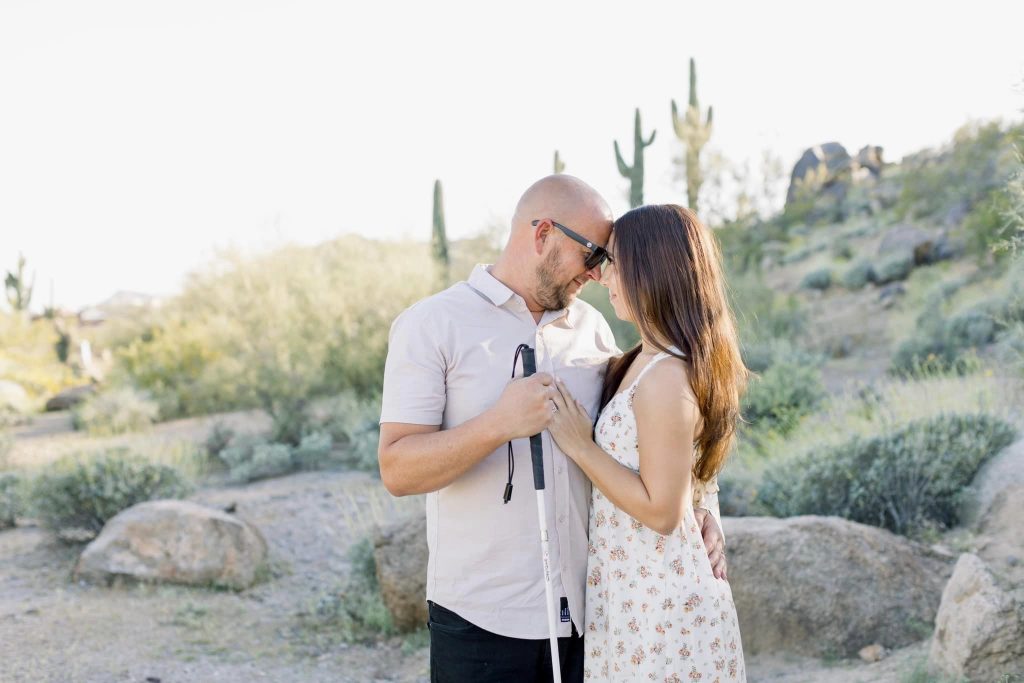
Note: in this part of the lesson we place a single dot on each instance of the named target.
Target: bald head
(564, 199)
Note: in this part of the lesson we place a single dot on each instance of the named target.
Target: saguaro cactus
(695, 134)
(559, 164)
(19, 291)
(635, 173)
(439, 239)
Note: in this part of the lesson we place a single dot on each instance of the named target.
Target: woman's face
(610, 279)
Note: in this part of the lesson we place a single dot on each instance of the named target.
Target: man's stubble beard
(550, 294)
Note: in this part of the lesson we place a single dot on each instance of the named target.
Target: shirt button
(561, 519)
(559, 469)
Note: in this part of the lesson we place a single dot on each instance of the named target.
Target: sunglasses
(596, 257)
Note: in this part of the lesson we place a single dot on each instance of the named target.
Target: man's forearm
(421, 463)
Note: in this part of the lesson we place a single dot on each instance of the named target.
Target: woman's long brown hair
(670, 275)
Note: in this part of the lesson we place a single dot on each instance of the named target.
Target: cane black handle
(536, 445)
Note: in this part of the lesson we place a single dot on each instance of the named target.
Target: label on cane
(565, 610)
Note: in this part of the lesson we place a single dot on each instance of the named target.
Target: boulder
(69, 398)
(1005, 469)
(907, 239)
(979, 629)
(824, 586)
(824, 161)
(175, 541)
(870, 158)
(400, 552)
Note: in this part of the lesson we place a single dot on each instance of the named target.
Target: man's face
(562, 273)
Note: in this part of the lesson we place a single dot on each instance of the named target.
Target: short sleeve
(414, 372)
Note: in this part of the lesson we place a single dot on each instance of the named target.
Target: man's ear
(541, 233)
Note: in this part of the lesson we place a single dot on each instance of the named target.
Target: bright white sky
(135, 137)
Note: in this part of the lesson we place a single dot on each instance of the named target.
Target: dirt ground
(54, 629)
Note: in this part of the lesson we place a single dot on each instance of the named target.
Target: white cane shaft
(545, 546)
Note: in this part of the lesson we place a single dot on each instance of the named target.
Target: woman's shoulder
(665, 379)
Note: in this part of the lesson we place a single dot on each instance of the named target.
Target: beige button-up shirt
(449, 358)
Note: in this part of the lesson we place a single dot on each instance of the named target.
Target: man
(449, 409)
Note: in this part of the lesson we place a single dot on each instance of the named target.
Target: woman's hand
(571, 426)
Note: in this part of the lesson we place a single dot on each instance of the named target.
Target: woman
(655, 609)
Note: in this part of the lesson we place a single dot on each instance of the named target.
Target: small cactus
(559, 164)
(635, 173)
(439, 239)
(695, 134)
(19, 292)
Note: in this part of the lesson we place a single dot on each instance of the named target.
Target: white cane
(537, 456)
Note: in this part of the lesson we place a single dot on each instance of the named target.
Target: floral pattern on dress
(654, 610)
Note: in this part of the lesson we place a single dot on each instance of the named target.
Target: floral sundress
(654, 610)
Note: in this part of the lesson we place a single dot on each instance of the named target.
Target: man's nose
(595, 273)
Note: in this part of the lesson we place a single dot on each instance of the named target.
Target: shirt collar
(499, 294)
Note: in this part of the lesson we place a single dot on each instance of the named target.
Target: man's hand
(524, 407)
(714, 541)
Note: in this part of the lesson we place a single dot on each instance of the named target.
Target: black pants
(463, 653)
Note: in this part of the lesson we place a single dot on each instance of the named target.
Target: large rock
(69, 398)
(1004, 470)
(400, 551)
(979, 630)
(178, 542)
(824, 586)
(824, 162)
(907, 239)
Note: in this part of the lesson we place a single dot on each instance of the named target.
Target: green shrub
(783, 394)
(842, 250)
(817, 279)
(116, 411)
(278, 329)
(6, 445)
(355, 613)
(252, 458)
(988, 224)
(83, 492)
(909, 479)
(894, 267)
(12, 498)
(978, 160)
(354, 426)
(218, 438)
(859, 275)
(315, 451)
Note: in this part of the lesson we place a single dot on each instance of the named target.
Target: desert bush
(6, 445)
(893, 267)
(12, 498)
(859, 275)
(252, 458)
(987, 225)
(782, 395)
(978, 160)
(763, 314)
(278, 330)
(817, 279)
(353, 424)
(28, 356)
(217, 439)
(84, 492)
(842, 250)
(115, 411)
(908, 479)
(355, 612)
